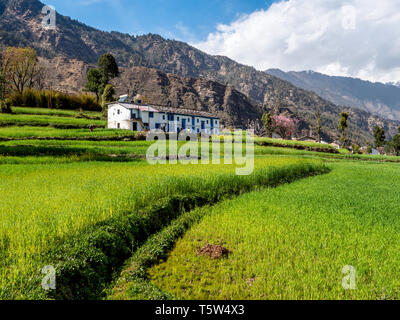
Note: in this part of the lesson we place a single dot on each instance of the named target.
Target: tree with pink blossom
(284, 126)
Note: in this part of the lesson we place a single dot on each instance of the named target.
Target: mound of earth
(213, 251)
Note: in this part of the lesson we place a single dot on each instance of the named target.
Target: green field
(57, 112)
(7, 120)
(293, 241)
(43, 203)
(116, 227)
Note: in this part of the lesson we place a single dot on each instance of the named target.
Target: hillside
(73, 47)
(381, 99)
(233, 107)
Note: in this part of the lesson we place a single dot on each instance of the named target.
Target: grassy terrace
(7, 120)
(290, 143)
(293, 241)
(49, 133)
(55, 112)
(88, 202)
(36, 217)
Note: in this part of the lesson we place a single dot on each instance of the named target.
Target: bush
(59, 100)
(5, 106)
(356, 148)
(16, 99)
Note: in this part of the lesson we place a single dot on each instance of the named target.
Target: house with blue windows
(136, 116)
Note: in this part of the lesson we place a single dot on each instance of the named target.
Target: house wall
(118, 118)
(160, 120)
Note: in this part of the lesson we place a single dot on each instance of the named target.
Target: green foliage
(379, 135)
(97, 79)
(5, 106)
(396, 143)
(267, 121)
(108, 66)
(318, 127)
(393, 146)
(94, 82)
(356, 148)
(343, 126)
(108, 96)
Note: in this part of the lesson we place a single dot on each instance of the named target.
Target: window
(163, 117)
(151, 114)
(177, 118)
(207, 121)
(197, 120)
(118, 125)
(158, 126)
(118, 111)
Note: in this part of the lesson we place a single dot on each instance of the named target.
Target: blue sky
(356, 38)
(187, 20)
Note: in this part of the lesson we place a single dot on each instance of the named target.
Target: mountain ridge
(375, 97)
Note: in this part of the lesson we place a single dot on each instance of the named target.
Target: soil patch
(213, 251)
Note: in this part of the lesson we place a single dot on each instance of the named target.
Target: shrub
(59, 100)
(5, 106)
(356, 149)
(29, 98)
(16, 99)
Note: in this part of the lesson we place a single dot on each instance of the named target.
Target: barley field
(44, 203)
(292, 242)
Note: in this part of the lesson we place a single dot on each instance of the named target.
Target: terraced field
(292, 242)
(89, 204)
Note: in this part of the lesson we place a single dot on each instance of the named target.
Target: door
(203, 125)
(134, 126)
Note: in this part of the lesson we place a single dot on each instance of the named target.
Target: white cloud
(358, 38)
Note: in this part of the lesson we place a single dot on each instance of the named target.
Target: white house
(141, 117)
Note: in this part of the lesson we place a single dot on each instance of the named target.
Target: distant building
(276, 136)
(335, 145)
(142, 117)
(308, 139)
(375, 152)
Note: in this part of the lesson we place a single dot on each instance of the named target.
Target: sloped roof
(137, 107)
(189, 112)
(151, 108)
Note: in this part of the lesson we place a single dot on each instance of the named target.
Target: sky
(357, 38)
(190, 20)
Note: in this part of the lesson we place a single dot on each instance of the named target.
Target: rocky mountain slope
(73, 47)
(381, 99)
(156, 87)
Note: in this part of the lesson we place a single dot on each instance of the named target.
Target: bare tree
(22, 67)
